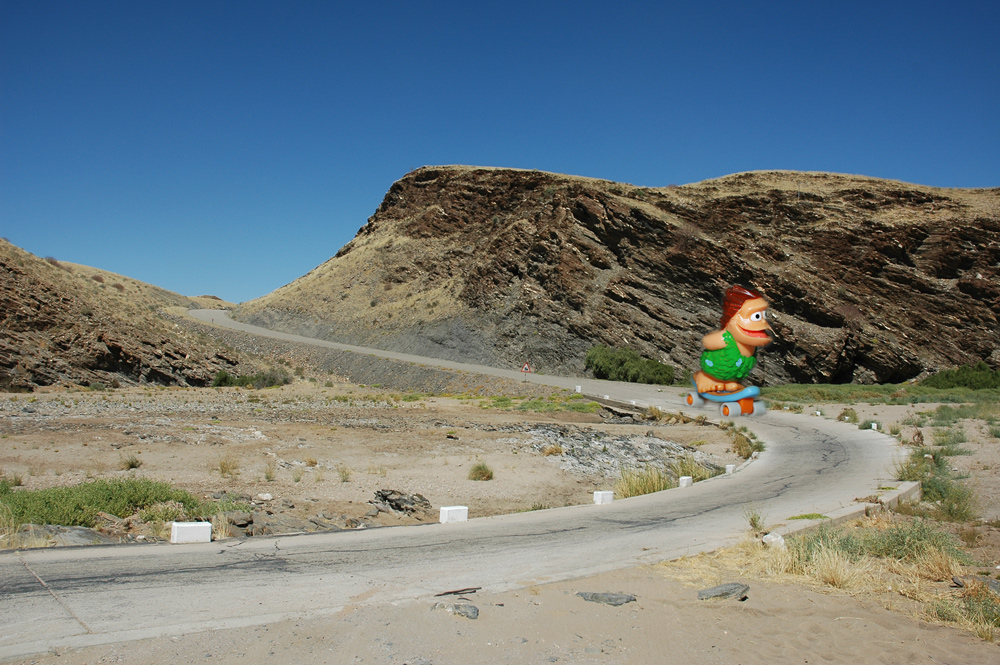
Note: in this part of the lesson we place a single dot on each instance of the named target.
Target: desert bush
(480, 471)
(129, 463)
(626, 365)
(119, 286)
(552, 449)
(164, 511)
(98, 278)
(974, 377)
(848, 415)
(270, 471)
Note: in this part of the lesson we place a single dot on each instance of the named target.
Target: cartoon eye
(757, 316)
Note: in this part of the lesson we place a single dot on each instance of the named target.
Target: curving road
(82, 596)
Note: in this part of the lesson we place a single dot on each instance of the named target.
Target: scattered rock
(265, 496)
(730, 590)
(991, 584)
(467, 610)
(395, 501)
(613, 599)
(774, 540)
(239, 518)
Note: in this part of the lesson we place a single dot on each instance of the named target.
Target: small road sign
(526, 369)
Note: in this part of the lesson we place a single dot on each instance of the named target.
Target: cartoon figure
(729, 354)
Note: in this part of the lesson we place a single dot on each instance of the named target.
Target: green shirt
(727, 363)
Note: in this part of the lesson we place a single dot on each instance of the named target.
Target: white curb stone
(604, 496)
(190, 532)
(454, 514)
(730, 468)
(686, 481)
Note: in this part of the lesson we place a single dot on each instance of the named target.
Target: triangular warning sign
(526, 368)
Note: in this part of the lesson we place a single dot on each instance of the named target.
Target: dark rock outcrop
(59, 327)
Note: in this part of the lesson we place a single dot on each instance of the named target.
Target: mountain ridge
(505, 266)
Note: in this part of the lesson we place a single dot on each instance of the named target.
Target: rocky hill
(62, 323)
(870, 280)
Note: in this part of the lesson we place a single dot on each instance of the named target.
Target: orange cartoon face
(749, 325)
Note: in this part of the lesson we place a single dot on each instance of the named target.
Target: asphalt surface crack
(54, 595)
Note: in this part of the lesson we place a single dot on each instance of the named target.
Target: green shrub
(627, 365)
(78, 505)
(974, 377)
(901, 542)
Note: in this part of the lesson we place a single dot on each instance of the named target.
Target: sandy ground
(326, 450)
(310, 433)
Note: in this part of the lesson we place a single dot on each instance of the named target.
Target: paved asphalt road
(72, 597)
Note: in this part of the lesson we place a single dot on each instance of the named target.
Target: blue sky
(227, 148)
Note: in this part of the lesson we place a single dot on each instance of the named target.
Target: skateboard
(741, 402)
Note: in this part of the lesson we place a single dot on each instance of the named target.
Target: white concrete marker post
(190, 532)
(874, 425)
(686, 481)
(454, 514)
(730, 468)
(604, 496)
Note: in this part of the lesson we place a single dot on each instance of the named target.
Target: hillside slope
(870, 280)
(62, 323)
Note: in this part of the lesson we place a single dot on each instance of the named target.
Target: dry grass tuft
(636, 481)
(129, 463)
(221, 528)
(554, 449)
(833, 568)
(229, 466)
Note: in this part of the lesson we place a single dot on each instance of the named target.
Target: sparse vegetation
(224, 379)
(951, 500)
(903, 393)
(627, 365)
(745, 443)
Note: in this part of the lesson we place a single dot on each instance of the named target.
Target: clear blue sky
(229, 147)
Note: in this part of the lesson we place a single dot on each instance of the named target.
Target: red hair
(735, 296)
